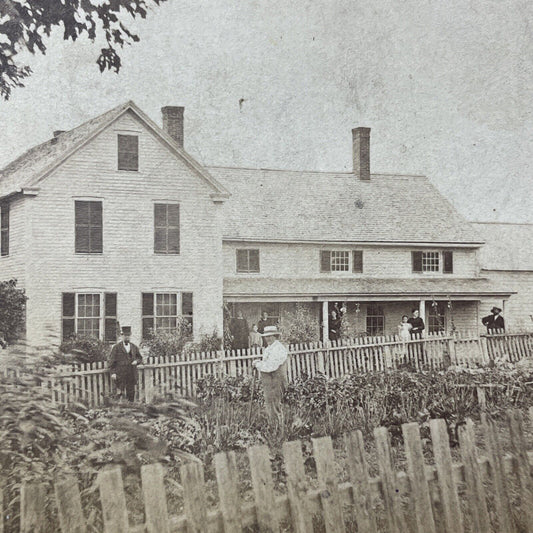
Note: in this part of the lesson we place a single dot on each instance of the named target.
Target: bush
(12, 310)
(207, 343)
(85, 349)
(299, 326)
(163, 344)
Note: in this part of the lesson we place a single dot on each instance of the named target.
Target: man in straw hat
(123, 361)
(494, 322)
(273, 368)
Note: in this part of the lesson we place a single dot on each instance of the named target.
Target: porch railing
(91, 383)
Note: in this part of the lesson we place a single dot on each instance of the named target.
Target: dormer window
(128, 152)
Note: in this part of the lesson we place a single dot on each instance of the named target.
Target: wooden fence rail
(447, 496)
(91, 383)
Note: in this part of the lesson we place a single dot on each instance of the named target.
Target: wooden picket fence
(91, 383)
(485, 493)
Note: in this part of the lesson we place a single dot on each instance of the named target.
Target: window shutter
(358, 261)
(448, 262)
(148, 327)
(242, 260)
(69, 310)
(148, 304)
(325, 261)
(254, 260)
(186, 303)
(110, 321)
(4, 229)
(417, 261)
(88, 227)
(173, 228)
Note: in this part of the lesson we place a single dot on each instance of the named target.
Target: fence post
(32, 503)
(113, 500)
(149, 382)
(228, 491)
(155, 501)
(321, 358)
(68, 499)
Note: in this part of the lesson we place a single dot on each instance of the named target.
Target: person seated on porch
(334, 326)
(255, 340)
(417, 324)
(494, 321)
(404, 329)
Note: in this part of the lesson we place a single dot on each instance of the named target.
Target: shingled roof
(333, 206)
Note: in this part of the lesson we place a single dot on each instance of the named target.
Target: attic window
(128, 152)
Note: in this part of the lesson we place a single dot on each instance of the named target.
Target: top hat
(126, 330)
(495, 310)
(269, 331)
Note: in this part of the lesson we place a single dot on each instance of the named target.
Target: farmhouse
(115, 221)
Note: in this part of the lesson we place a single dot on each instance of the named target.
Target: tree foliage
(24, 24)
(299, 326)
(12, 309)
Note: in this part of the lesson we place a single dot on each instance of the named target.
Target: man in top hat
(123, 360)
(494, 321)
(273, 368)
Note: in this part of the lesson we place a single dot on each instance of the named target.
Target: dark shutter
(166, 228)
(448, 262)
(358, 261)
(4, 229)
(68, 312)
(253, 258)
(173, 222)
(186, 303)
(325, 261)
(148, 327)
(148, 304)
(242, 260)
(417, 261)
(88, 226)
(128, 152)
(110, 321)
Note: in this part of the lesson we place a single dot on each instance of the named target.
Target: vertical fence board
(32, 505)
(2, 508)
(453, 517)
(501, 496)
(327, 480)
(155, 500)
(389, 482)
(228, 493)
(297, 487)
(358, 470)
(417, 477)
(68, 500)
(192, 480)
(113, 500)
(263, 484)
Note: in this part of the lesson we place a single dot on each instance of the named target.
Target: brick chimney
(173, 122)
(361, 153)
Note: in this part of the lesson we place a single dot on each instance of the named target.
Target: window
(426, 261)
(161, 311)
(128, 152)
(334, 261)
(357, 264)
(88, 222)
(166, 228)
(4, 229)
(90, 315)
(437, 317)
(448, 262)
(375, 320)
(247, 260)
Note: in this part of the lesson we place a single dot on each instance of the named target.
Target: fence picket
(501, 497)
(155, 500)
(68, 500)
(192, 480)
(263, 485)
(297, 487)
(473, 479)
(228, 493)
(453, 518)
(32, 503)
(358, 470)
(113, 501)
(2, 505)
(417, 476)
(329, 494)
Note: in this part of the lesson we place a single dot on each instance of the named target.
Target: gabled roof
(36, 163)
(508, 246)
(335, 206)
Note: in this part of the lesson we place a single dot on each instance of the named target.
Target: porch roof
(259, 289)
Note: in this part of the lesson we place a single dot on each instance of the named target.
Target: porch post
(325, 322)
(422, 312)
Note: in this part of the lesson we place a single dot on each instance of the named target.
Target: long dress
(405, 331)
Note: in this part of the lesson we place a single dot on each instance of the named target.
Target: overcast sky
(447, 88)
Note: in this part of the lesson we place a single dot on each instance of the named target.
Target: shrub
(163, 343)
(12, 310)
(299, 326)
(85, 349)
(207, 343)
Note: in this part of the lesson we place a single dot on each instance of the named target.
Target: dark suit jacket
(120, 363)
(418, 325)
(493, 322)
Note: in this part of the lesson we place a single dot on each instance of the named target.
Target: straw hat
(269, 331)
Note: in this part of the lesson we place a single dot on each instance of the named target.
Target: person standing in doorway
(335, 322)
(123, 361)
(264, 322)
(494, 322)
(273, 369)
(239, 330)
(417, 324)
